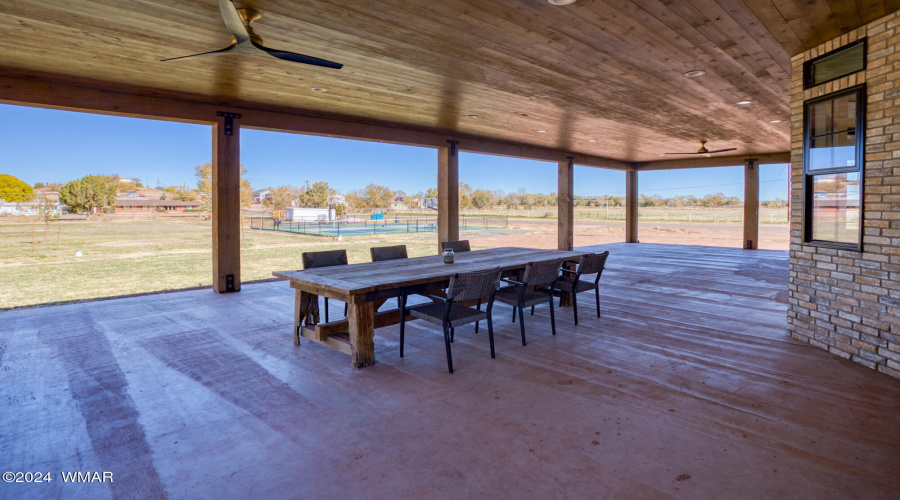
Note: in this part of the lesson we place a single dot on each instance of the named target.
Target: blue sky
(46, 145)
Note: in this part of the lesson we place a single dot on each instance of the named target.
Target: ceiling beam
(75, 94)
(717, 161)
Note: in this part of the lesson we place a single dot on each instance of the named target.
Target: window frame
(808, 176)
(807, 65)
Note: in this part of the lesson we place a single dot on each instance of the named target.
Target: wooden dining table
(367, 286)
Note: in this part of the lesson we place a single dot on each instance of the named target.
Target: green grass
(121, 257)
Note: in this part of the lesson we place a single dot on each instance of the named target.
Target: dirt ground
(542, 234)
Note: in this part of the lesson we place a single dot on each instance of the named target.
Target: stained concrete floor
(687, 387)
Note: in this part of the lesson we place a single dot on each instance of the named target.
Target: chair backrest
(326, 258)
(388, 253)
(470, 286)
(456, 246)
(592, 263)
(542, 273)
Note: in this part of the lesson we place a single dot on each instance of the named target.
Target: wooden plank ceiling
(597, 70)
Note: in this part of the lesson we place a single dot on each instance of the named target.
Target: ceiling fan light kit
(245, 41)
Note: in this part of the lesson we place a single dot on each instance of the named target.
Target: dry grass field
(129, 256)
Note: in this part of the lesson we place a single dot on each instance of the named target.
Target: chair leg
(479, 308)
(597, 294)
(522, 322)
(346, 309)
(452, 333)
(514, 313)
(326, 309)
(575, 306)
(552, 315)
(402, 322)
(447, 345)
(532, 310)
(491, 334)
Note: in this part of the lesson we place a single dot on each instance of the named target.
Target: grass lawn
(122, 257)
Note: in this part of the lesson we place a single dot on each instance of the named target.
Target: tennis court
(368, 227)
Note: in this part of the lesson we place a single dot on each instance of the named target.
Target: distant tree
(38, 185)
(14, 190)
(371, 196)
(482, 199)
(88, 193)
(203, 173)
(283, 197)
(340, 209)
(431, 193)
(316, 196)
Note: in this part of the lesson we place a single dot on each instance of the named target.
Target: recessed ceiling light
(774, 121)
(319, 89)
(471, 117)
(743, 103)
(560, 2)
(695, 73)
(663, 154)
(542, 131)
(592, 140)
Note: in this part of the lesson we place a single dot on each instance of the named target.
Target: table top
(355, 279)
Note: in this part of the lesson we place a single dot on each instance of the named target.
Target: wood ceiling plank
(845, 14)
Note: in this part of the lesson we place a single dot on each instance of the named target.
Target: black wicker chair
(571, 282)
(325, 258)
(390, 253)
(457, 246)
(535, 288)
(449, 314)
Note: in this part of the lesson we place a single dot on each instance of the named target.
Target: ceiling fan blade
(692, 153)
(721, 150)
(203, 54)
(299, 58)
(233, 21)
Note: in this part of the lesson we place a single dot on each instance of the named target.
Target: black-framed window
(833, 156)
(840, 62)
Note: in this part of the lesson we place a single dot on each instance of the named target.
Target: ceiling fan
(245, 41)
(703, 151)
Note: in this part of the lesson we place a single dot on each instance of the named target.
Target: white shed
(296, 214)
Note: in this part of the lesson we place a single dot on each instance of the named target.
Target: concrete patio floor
(687, 387)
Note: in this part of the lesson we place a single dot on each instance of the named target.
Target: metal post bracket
(229, 120)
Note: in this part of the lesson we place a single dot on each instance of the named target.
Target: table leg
(306, 310)
(362, 330)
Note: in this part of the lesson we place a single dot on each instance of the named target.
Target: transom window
(835, 64)
(832, 161)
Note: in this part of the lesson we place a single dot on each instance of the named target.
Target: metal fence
(366, 227)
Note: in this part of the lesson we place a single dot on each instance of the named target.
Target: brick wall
(849, 302)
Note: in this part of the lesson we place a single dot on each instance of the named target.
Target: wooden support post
(361, 319)
(631, 206)
(448, 193)
(751, 204)
(226, 204)
(566, 205)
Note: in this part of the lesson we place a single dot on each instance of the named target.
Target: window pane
(820, 153)
(820, 118)
(844, 113)
(842, 63)
(844, 147)
(835, 210)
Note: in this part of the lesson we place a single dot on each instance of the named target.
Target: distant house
(145, 206)
(398, 203)
(261, 195)
(429, 203)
